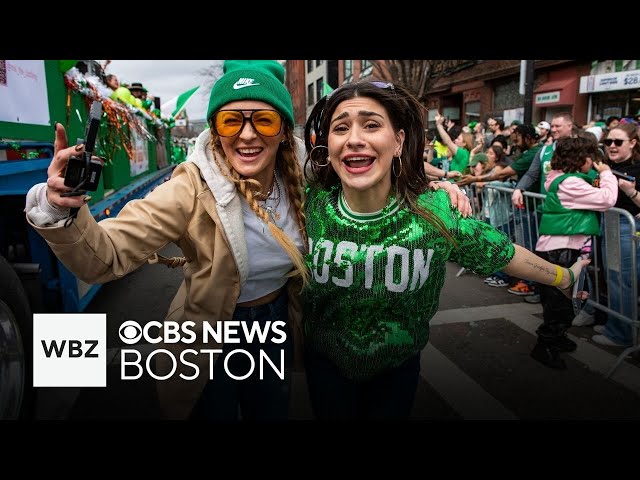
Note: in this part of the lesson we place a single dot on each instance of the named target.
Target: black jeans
(388, 395)
(557, 310)
(253, 398)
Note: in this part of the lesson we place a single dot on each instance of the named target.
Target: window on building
(319, 62)
(366, 68)
(348, 71)
(310, 99)
(507, 96)
(431, 118)
(451, 113)
(309, 66)
(319, 85)
(472, 112)
(618, 103)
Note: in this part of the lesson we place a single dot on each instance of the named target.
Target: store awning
(555, 92)
(605, 82)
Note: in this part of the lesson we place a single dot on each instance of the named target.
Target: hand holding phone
(83, 173)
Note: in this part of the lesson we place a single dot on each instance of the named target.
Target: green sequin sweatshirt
(376, 278)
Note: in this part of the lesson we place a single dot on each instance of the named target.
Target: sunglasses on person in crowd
(228, 123)
(617, 141)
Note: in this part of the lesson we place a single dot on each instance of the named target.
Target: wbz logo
(74, 348)
(69, 350)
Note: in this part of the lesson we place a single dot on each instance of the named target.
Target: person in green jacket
(568, 221)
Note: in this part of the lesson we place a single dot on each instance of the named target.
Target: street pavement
(476, 365)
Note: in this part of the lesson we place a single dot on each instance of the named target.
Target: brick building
(474, 90)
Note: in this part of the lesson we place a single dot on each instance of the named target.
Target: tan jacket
(200, 211)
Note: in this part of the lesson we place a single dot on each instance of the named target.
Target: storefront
(612, 94)
(559, 94)
(491, 88)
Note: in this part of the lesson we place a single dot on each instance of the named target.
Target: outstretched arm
(528, 265)
(100, 252)
(433, 171)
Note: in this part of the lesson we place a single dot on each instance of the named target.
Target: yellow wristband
(558, 279)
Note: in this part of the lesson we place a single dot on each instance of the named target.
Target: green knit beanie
(252, 80)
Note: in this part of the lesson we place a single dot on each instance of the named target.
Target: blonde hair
(468, 140)
(287, 162)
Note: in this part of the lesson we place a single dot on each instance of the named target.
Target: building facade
(307, 81)
(612, 88)
(473, 90)
(490, 88)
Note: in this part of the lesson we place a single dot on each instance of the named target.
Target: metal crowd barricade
(522, 228)
(614, 253)
(492, 204)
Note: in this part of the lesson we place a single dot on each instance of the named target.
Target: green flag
(176, 105)
(326, 89)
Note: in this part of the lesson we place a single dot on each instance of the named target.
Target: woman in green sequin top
(378, 246)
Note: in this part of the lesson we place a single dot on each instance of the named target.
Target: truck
(34, 94)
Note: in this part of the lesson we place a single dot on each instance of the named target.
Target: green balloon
(65, 65)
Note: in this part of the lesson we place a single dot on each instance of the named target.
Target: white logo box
(77, 348)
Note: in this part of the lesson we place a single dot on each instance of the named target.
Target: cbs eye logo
(130, 332)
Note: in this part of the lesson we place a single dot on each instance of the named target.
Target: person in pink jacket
(568, 222)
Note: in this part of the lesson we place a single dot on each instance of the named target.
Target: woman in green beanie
(235, 208)
(379, 242)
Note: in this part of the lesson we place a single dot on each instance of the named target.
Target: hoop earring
(314, 161)
(393, 166)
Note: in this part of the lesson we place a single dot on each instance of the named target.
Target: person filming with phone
(622, 148)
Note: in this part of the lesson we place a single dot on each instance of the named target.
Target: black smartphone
(624, 176)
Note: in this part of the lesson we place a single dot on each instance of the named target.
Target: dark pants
(333, 396)
(557, 310)
(225, 398)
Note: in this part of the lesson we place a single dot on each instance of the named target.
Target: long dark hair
(405, 113)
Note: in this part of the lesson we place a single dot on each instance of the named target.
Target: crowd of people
(134, 94)
(346, 243)
(527, 158)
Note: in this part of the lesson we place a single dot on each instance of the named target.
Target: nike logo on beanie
(265, 76)
(244, 82)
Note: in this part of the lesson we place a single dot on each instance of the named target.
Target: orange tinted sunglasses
(228, 123)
